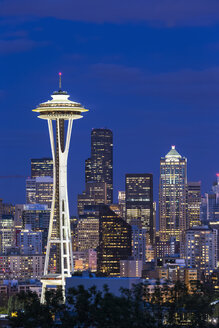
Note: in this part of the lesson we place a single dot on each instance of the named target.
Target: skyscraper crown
(173, 153)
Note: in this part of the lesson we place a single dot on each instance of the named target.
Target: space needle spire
(60, 81)
(60, 112)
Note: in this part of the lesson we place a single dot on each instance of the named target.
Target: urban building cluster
(116, 239)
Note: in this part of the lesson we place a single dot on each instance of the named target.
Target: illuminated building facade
(88, 228)
(41, 167)
(122, 203)
(162, 248)
(37, 216)
(31, 191)
(210, 203)
(191, 278)
(214, 224)
(194, 204)
(7, 233)
(85, 260)
(19, 208)
(95, 193)
(61, 112)
(121, 197)
(74, 233)
(88, 233)
(150, 253)
(212, 207)
(99, 167)
(114, 242)
(139, 202)
(131, 268)
(6, 208)
(80, 261)
(44, 188)
(29, 241)
(172, 195)
(92, 260)
(21, 267)
(139, 242)
(116, 208)
(39, 190)
(201, 249)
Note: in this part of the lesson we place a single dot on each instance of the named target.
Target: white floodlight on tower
(60, 109)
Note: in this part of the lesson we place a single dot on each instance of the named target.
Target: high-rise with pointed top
(58, 112)
(172, 195)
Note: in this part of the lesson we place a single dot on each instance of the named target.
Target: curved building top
(60, 107)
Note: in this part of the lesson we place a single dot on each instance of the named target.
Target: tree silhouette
(136, 308)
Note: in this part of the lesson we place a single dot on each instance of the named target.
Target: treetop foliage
(91, 308)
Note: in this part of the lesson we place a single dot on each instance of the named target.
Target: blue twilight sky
(147, 69)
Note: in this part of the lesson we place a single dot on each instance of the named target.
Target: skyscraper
(172, 195)
(88, 233)
(139, 236)
(114, 242)
(60, 109)
(210, 203)
(139, 202)
(121, 202)
(88, 228)
(7, 233)
(41, 167)
(99, 167)
(194, 204)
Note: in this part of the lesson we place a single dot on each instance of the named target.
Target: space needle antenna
(60, 81)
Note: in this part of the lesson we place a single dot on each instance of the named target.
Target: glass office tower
(139, 202)
(172, 195)
(99, 167)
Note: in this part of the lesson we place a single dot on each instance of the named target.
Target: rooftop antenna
(60, 81)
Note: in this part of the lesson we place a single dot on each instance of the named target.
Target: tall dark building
(194, 204)
(210, 203)
(99, 167)
(6, 208)
(41, 167)
(114, 242)
(139, 202)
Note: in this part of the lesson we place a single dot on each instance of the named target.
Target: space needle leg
(46, 265)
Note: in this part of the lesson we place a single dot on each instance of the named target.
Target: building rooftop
(200, 228)
(173, 153)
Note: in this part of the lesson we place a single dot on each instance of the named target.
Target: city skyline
(161, 91)
(73, 206)
(112, 220)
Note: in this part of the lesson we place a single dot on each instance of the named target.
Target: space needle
(59, 113)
